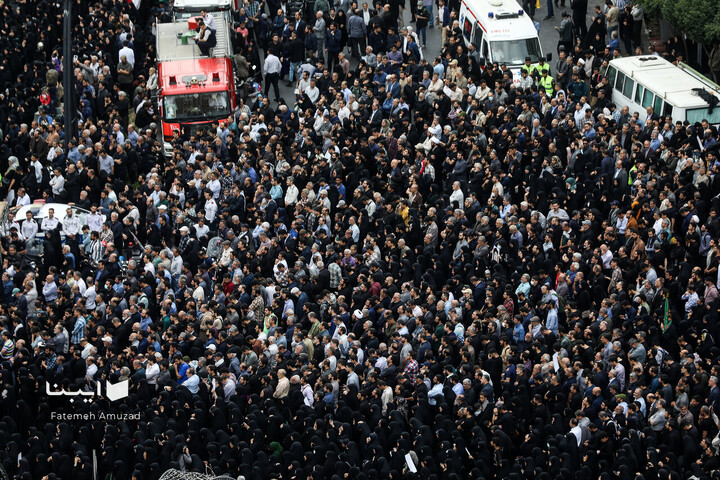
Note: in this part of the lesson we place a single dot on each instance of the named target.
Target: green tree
(698, 19)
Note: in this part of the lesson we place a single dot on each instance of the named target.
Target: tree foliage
(698, 19)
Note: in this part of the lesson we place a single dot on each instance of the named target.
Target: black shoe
(290, 84)
(549, 18)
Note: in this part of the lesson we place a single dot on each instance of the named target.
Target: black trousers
(357, 46)
(272, 79)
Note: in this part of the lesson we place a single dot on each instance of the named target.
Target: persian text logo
(113, 392)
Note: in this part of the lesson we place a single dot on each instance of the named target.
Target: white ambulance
(191, 8)
(501, 31)
(675, 90)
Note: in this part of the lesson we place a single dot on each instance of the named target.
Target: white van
(190, 8)
(651, 81)
(501, 32)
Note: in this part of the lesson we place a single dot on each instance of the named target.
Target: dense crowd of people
(417, 268)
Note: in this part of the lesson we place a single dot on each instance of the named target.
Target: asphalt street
(548, 40)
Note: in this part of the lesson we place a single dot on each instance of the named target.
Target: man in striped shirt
(8, 346)
(335, 273)
(78, 332)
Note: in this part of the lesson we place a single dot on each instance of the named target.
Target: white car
(40, 211)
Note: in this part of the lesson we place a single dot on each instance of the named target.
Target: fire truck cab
(194, 89)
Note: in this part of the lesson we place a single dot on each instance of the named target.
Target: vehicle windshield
(190, 106)
(513, 52)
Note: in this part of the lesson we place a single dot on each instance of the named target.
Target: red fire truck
(194, 89)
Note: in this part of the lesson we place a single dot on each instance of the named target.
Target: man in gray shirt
(319, 32)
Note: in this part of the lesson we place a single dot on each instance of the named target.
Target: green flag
(667, 318)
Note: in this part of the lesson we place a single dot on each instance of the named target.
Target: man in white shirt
(272, 68)
(307, 392)
(94, 220)
(152, 371)
(366, 14)
(51, 222)
(457, 195)
(303, 83)
(344, 111)
(11, 222)
(128, 52)
(211, 207)
(152, 81)
(35, 163)
(606, 256)
(90, 295)
(82, 287)
(57, 183)
(208, 19)
(312, 92)
(22, 198)
(71, 223)
(29, 226)
(435, 391)
(87, 348)
(91, 368)
(214, 183)
(201, 229)
(576, 430)
(292, 192)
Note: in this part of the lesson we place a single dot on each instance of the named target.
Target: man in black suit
(376, 115)
(300, 26)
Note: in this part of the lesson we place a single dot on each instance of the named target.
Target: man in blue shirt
(329, 397)
(340, 188)
(181, 368)
(8, 287)
(519, 332)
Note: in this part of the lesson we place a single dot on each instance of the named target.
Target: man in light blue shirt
(276, 191)
(354, 229)
(50, 290)
(458, 388)
(551, 323)
(193, 381)
(436, 390)
(524, 286)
